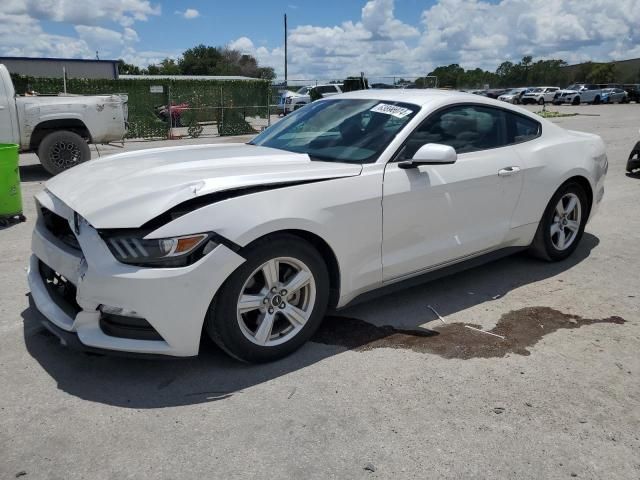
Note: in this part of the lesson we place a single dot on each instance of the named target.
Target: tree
(168, 66)
(602, 73)
(267, 73)
(201, 60)
(125, 68)
(448, 76)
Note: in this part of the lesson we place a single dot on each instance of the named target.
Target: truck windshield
(345, 130)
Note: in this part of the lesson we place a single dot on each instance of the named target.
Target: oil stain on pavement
(521, 328)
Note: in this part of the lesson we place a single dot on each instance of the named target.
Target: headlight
(133, 249)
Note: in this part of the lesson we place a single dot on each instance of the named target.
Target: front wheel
(562, 224)
(541, 101)
(576, 101)
(273, 303)
(62, 150)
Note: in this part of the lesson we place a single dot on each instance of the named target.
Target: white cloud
(23, 36)
(189, 13)
(103, 25)
(470, 32)
(86, 12)
(108, 42)
(377, 18)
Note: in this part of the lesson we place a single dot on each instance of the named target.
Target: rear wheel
(273, 303)
(576, 101)
(562, 224)
(596, 101)
(541, 101)
(62, 150)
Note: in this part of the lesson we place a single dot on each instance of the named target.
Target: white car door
(435, 214)
(549, 94)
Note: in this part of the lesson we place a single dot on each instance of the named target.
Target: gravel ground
(386, 390)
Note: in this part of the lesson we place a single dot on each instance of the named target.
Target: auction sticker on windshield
(396, 111)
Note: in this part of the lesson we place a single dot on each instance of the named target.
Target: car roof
(423, 97)
(416, 96)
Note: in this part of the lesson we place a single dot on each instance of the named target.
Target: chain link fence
(174, 108)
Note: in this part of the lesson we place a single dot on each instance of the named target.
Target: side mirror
(431, 154)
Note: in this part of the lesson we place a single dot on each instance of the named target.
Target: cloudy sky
(328, 38)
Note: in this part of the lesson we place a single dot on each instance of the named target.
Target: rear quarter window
(523, 129)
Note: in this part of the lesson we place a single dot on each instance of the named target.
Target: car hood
(128, 189)
(568, 91)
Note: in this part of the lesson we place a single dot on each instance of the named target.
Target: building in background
(54, 67)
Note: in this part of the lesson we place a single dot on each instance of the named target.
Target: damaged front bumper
(78, 286)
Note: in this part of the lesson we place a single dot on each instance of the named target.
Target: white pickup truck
(59, 128)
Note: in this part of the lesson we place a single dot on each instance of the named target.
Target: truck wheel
(62, 150)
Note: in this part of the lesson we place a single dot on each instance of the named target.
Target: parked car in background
(579, 93)
(539, 95)
(613, 95)
(59, 128)
(495, 92)
(514, 95)
(143, 252)
(382, 86)
(302, 91)
(633, 92)
(300, 99)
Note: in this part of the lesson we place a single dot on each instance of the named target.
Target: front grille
(128, 327)
(60, 228)
(61, 290)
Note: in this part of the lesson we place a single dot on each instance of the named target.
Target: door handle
(508, 171)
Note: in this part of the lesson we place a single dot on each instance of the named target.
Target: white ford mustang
(145, 251)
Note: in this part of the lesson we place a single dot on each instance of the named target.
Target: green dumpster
(10, 196)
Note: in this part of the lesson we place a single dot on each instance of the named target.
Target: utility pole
(285, 49)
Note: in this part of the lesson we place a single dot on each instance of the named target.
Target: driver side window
(466, 128)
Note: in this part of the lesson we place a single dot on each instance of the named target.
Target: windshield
(514, 91)
(303, 90)
(535, 90)
(574, 87)
(345, 130)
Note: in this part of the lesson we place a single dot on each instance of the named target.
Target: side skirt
(431, 275)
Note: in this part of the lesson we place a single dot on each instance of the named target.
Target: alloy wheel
(276, 301)
(566, 221)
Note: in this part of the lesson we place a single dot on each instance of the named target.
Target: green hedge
(205, 97)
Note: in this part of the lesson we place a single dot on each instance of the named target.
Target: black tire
(541, 101)
(576, 101)
(222, 323)
(596, 101)
(62, 150)
(542, 246)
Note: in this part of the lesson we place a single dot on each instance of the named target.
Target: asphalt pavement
(386, 389)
